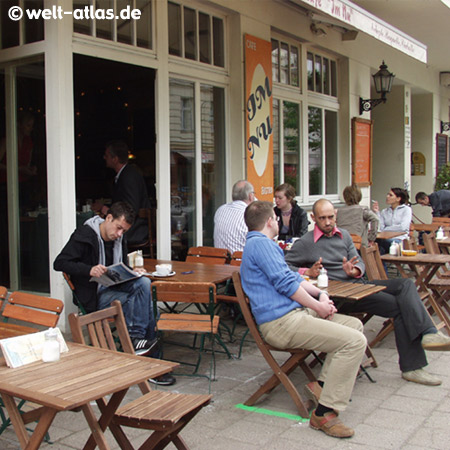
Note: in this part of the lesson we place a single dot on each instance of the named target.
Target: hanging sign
(258, 116)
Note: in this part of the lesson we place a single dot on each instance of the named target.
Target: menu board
(361, 152)
(441, 151)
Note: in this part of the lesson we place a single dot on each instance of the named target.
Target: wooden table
(189, 271)
(426, 226)
(444, 245)
(82, 375)
(424, 266)
(389, 234)
(351, 291)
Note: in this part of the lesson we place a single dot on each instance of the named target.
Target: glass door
(24, 262)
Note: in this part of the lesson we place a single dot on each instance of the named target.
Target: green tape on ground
(271, 413)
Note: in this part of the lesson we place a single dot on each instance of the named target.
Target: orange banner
(258, 116)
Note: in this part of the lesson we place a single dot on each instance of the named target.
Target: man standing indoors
(91, 248)
(292, 313)
(332, 248)
(129, 186)
(229, 225)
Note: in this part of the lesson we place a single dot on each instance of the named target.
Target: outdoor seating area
(254, 394)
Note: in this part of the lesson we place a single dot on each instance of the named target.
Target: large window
(285, 63)
(322, 151)
(195, 35)
(197, 168)
(23, 31)
(322, 76)
(122, 27)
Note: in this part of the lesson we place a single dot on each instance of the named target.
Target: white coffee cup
(163, 269)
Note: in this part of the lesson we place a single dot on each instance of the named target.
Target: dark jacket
(77, 258)
(131, 188)
(440, 202)
(298, 224)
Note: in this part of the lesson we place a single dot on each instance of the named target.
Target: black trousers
(400, 301)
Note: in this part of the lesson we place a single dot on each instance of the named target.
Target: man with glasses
(293, 313)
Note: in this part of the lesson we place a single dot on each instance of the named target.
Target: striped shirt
(230, 229)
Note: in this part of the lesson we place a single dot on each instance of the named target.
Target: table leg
(98, 427)
(45, 420)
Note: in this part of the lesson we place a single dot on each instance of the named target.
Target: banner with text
(258, 116)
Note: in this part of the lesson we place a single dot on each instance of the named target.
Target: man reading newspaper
(93, 247)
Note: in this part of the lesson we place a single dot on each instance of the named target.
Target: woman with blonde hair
(292, 220)
(357, 219)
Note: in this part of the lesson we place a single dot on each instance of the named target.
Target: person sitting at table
(93, 247)
(396, 217)
(331, 247)
(229, 226)
(293, 313)
(292, 220)
(357, 219)
(439, 202)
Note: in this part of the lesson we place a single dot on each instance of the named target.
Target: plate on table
(156, 274)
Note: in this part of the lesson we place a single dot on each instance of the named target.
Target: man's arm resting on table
(305, 296)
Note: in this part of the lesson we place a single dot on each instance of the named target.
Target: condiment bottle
(322, 279)
(393, 249)
(139, 259)
(440, 233)
(51, 349)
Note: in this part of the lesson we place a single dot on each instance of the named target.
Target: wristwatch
(323, 292)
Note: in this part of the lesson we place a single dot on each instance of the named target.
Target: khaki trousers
(341, 338)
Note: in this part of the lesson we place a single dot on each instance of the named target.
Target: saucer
(156, 274)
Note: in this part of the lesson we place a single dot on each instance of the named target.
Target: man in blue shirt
(293, 313)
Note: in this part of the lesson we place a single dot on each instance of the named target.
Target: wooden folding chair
(432, 247)
(236, 258)
(29, 309)
(166, 413)
(375, 271)
(208, 255)
(75, 299)
(280, 372)
(3, 292)
(149, 245)
(357, 240)
(206, 325)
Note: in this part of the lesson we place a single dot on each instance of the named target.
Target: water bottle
(51, 349)
(393, 249)
(322, 279)
(440, 233)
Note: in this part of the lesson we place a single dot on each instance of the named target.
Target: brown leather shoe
(313, 391)
(330, 424)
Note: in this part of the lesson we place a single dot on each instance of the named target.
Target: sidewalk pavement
(389, 414)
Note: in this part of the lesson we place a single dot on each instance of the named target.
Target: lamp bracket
(445, 126)
(366, 105)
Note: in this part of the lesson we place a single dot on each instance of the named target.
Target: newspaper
(21, 350)
(116, 274)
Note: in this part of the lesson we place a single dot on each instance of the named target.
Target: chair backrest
(75, 299)
(410, 244)
(236, 258)
(357, 240)
(147, 214)
(431, 245)
(3, 292)
(208, 255)
(33, 308)
(99, 326)
(443, 221)
(172, 291)
(374, 265)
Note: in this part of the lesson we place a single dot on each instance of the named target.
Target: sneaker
(422, 377)
(164, 380)
(143, 346)
(330, 424)
(436, 341)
